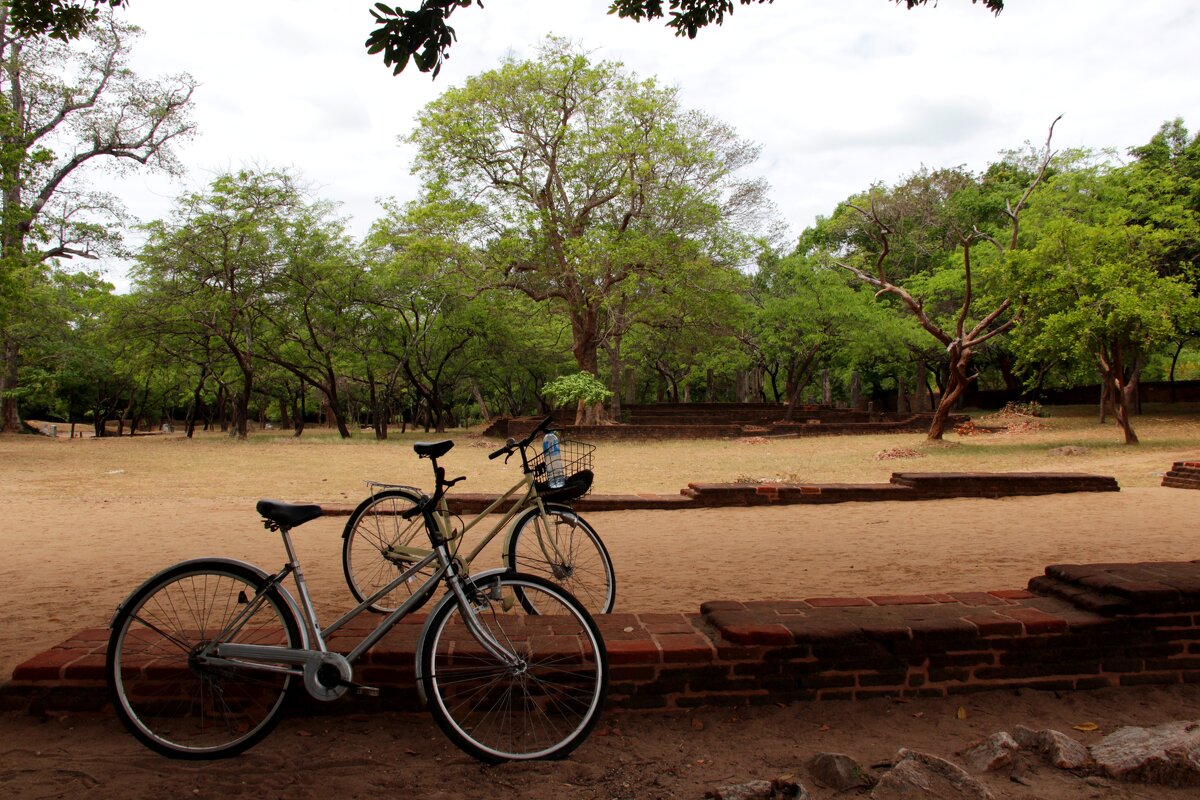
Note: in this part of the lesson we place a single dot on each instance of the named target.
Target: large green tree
(63, 108)
(572, 178)
(212, 269)
(1109, 277)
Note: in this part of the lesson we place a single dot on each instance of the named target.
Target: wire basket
(577, 470)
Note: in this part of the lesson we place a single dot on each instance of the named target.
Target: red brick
(688, 648)
(666, 623)
(1036, 621)
(978, 599)
(756, 634)
(46, 666)
(837, 602)
(633, 651)
(901, 599)
(721, 605)
(86, 668)
(994, 625)
(1012, 594)
(943, 598)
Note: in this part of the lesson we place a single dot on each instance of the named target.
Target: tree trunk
(584, 329)
(298, 412)
(1112, 366)
(956, 384)
(483, 408)
(10, 420)
(920, 401)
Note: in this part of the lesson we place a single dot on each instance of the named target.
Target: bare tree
(64, 107)
(968, 333)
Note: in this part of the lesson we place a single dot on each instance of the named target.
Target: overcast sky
(839, 93)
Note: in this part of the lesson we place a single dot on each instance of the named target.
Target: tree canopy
(58, 19)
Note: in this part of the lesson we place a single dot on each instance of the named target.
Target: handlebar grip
(508, 446)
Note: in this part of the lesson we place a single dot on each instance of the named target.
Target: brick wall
(1076, 627)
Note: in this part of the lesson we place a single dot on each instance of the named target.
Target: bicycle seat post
(293, 565)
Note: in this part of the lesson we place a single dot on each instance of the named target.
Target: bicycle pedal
(367, 691)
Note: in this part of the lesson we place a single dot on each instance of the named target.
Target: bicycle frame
(531, 500)
(267, 658)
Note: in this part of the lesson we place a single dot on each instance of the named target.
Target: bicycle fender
(287, 596)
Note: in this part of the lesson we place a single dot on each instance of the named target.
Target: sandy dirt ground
(636, 755)
(72, 549)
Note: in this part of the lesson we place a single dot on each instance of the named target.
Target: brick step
(1183, 475)
(996, 484)
(1081, 597)
(1124, 589)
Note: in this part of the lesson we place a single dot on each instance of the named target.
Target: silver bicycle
(203, 656)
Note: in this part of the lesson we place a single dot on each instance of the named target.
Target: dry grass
(322, 468)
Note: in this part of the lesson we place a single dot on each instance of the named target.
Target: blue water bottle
(556, 476)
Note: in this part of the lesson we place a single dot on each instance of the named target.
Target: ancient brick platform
(1056, 635)
(903, 486)
(1183, 475)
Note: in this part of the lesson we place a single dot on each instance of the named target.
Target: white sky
(840, 93)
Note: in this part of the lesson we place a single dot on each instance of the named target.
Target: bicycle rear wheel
(368, 560)
(563, 548)
(161, 687)
(540, 703)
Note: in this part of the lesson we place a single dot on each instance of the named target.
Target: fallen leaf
(918, 714)
(697, 724)
(823, 728)
(303, 733)
(1086, 726)
(961, 713)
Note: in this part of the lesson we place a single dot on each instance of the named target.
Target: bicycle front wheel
(370, 559)
(562, 547)
(539, 698)
(162, 687)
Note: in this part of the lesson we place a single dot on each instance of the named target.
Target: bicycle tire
(167, 698)
(573, 556)
(541, 708)
(375, 525)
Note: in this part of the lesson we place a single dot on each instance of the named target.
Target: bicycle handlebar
(512, 444)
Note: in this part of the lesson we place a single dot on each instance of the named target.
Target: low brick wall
(903, 486)
(1076, 627)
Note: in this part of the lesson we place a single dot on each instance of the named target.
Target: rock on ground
(1166, 754)
(1059, 749)
(778, 789)
(920, 775)
(838, 772)
(992, 753)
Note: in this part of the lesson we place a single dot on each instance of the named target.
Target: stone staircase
(1183, 475)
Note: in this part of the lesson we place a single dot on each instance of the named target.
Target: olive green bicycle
(547, 537)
